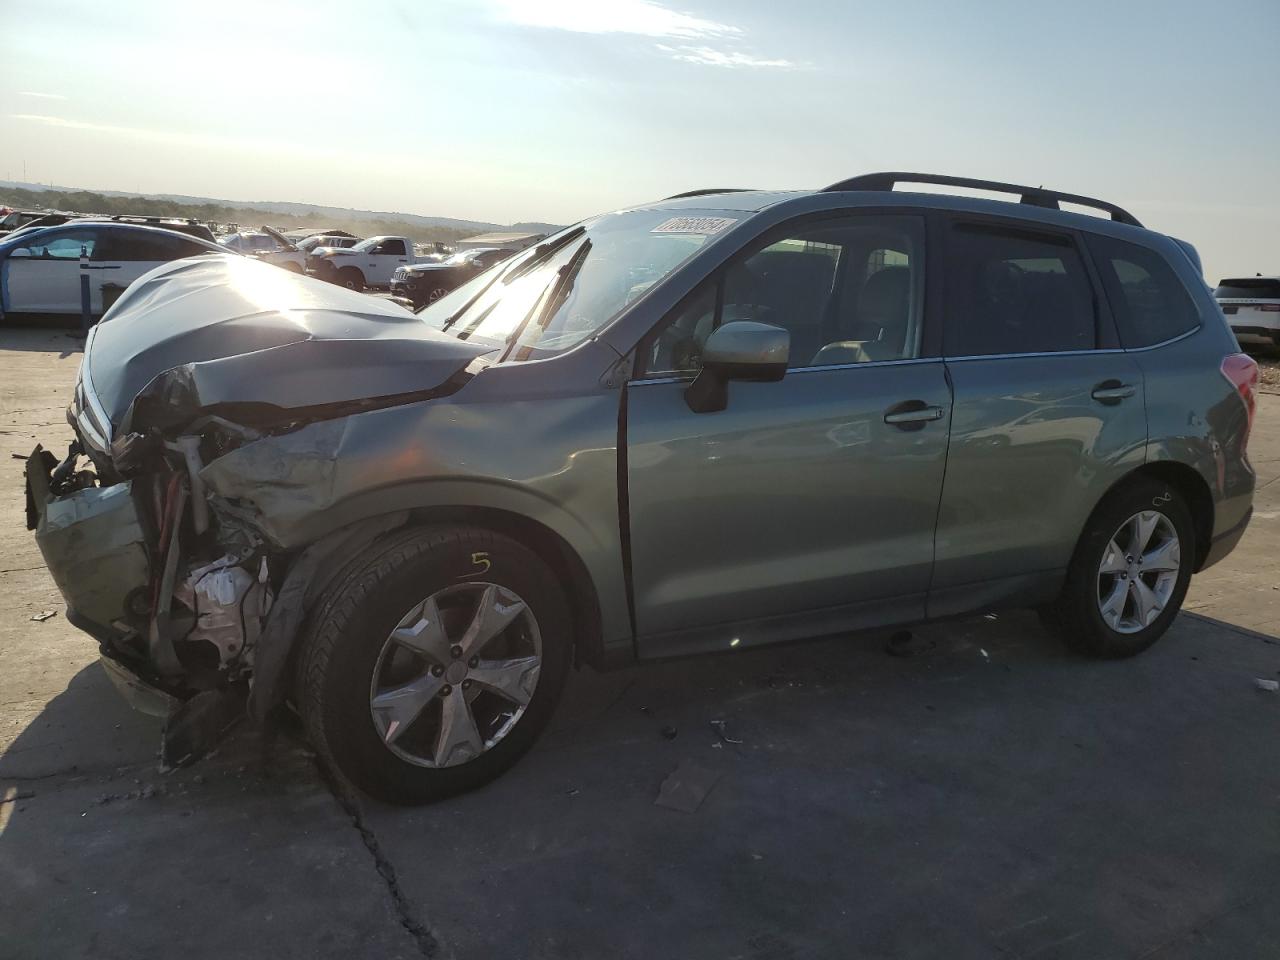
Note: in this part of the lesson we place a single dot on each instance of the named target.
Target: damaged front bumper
(176, 630)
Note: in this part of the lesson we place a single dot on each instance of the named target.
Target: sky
(553, 110)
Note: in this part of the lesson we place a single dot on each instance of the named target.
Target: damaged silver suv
(724, 419)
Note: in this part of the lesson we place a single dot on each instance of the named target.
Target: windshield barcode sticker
(702, 225)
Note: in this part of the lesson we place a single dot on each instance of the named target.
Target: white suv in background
(1252, 306)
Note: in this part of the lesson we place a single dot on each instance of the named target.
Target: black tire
(352, 621)
(1075, 616)
(351, 278)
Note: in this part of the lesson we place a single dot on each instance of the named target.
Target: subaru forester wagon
(723, 419)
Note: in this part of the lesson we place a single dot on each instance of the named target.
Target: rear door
(1048, 411)
(125, 255)
(807, 505)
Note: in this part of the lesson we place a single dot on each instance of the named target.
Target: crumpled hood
(227, 332)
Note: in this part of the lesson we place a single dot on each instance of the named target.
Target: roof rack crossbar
(1032, 196)
(703, 193)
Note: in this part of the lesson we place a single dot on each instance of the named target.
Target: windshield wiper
(566, 277)
(541, 251)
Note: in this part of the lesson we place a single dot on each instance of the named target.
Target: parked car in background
(425, 283)
(269, 246)
(751, 419)
(1252, 308)
(369, 263)
(11, 220)
(40, 269)
(309, 244)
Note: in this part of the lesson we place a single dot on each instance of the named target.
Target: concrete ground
(992, 797)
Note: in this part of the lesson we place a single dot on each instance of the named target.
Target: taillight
(1242, 371)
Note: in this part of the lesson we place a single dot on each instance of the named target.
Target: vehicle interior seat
(796, 287)
(878, 330)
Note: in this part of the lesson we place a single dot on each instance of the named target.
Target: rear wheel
(1129, 574)
(351, 278)
(433, 664)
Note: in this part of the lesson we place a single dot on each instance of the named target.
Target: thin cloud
(41, 96)
(711, 57)
(638, 17)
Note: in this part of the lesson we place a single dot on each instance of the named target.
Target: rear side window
(1149, 301)
(1248, 288)
(1010, 291)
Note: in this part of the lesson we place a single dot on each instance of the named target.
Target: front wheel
(1129, 574)
(436, 294)
(433, 663)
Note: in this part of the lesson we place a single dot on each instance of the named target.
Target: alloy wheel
(456, 674)
(1138, 571)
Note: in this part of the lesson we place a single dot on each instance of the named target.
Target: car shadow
(28, 337)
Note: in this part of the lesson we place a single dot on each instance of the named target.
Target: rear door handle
(1112, 391)
(912, 414)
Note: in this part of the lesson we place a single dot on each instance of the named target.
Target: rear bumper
(1226, 541)
(1257, 334)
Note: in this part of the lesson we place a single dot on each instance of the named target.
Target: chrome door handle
(918, 415)
(1112, 391)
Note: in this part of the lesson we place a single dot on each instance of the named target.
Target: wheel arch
(1191, 486)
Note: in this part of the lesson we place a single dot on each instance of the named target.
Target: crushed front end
(176, 597)
(180, 585)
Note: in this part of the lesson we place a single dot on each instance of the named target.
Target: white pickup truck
(370, 263)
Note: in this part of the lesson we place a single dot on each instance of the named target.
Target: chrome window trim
(1033, 353)
(1164, 343)
(688, 378)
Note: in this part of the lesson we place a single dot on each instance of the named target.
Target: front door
(1048, 412)
(807, 505)
(43, 276)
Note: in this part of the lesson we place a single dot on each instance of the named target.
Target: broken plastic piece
(1263, 684)
(44, 615)
(686, 787)
(719, 727)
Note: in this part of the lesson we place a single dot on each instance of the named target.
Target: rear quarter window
(1149, 302)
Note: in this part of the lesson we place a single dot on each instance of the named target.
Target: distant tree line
(249, 218)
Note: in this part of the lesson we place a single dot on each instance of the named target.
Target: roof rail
(703, 193)
(1033, 196)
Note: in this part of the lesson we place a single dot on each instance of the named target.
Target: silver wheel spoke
(1113, 559)
(496, 610)
(512, 679)
(422, 632)
(1147, 605)
(395, 709)
(1113, 606)
(459, 738)
(1144, 525)
(1164, 558)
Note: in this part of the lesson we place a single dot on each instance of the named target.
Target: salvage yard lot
(990, 797)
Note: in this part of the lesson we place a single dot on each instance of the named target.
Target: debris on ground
(719, 727)
(686, 787)
(904, 643)
(1263, 684)
(669, 732)
(44, 615)
(985, 656)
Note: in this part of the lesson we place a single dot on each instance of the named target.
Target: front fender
(440, 456)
